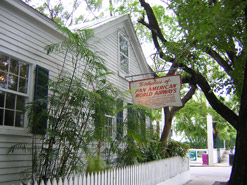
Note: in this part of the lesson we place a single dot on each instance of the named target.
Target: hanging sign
(157, 92)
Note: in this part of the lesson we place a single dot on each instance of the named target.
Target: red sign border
(158, 78)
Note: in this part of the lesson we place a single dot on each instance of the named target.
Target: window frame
(120, 53)
(16, 93)
(110, 128)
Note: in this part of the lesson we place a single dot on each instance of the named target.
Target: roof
(95, 23)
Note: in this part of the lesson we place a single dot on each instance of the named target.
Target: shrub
(95, 164)
(153, 150)
(175, 148)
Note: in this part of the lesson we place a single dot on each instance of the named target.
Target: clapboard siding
(26, 30)
(109, 45)
(29, 40)
(34, 35)
(12, 157)
(24, 35)
(25, 20)
(13, 179)
(8, 171)
(13, 165)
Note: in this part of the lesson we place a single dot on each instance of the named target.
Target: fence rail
(151, 173)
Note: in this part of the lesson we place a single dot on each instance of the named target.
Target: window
(13, 91)
(108, 126)
(124, 54)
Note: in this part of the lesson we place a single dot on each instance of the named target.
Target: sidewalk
(210, 175)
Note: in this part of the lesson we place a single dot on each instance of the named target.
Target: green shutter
(40, 99)
(136, 121)
(120, 120)
(130, 125)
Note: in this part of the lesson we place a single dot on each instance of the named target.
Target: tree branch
(153, 23)
(219, 60)
(184, 100)
(216, 104)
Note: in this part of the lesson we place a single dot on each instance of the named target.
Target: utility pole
(210, 139)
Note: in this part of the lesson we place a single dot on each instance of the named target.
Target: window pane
(12, 84)
(20, 105)
(19, 119)
(3, 79)
(1, 116)
(124, 65)
(13, 76)
(109, 126)
(10, 101)
(24, 70)
(123, 45)
(9, 118)
(2, 98)
(4, 63)
(22, 85)
(14, 66)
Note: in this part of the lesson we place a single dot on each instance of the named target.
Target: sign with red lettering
(157, 92)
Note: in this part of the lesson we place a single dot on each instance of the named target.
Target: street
(209, 175)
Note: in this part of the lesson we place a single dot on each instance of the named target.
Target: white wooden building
(24, 33)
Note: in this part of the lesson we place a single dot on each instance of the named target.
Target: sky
(148, 48)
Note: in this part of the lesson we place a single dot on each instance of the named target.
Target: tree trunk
(170, 113)
(157, 130)
(167, 126)
(239, 169)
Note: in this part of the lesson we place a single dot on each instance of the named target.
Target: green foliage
(95, 164)
(151, 151)
(139, 145)
(128, 154)
(191, 123)
(26, 147)
(175, 148)
(94, 4)
(58, 11)
(219, 25)
(139, 152)
(201, 144)
(69, 13)
(78, 101)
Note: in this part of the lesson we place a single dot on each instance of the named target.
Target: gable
(123, 24)
(107, 41)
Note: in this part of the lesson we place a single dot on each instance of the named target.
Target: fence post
(48, 182)
(65, 182)
(80, 180)
(75, 179)
(84, 179)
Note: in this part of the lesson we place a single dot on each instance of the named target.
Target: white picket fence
(151, 173)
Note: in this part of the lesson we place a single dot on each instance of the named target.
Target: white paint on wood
(210, 140)
(163, 172)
